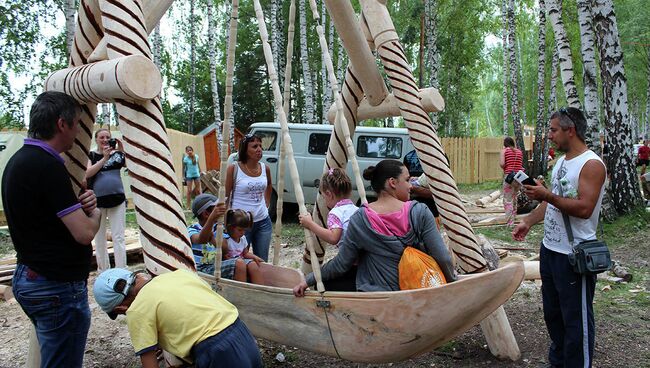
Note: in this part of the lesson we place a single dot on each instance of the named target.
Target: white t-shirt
(248, 193)
(555, 235)
(339, 216)
(235, 249)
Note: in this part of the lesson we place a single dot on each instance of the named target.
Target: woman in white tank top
(248, 183)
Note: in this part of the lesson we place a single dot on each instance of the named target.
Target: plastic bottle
(567, 189)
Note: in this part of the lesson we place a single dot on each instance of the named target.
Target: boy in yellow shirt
(179, 313)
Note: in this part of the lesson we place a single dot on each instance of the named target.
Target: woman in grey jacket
(378, 232)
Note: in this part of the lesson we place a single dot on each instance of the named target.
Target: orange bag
(419, 270)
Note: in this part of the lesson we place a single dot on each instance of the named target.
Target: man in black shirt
(51, 229)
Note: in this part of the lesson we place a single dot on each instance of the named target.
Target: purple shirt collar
(46, 147)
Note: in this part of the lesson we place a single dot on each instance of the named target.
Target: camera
(112, 142)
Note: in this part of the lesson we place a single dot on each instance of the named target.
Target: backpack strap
(231, 196)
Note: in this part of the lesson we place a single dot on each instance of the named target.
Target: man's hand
(520, 231)
(88, 201)
(299, 290)
(219, 210)
(538, 192)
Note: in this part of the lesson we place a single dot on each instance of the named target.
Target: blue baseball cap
(107, 293)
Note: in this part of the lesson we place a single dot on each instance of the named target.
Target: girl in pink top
(335, 187)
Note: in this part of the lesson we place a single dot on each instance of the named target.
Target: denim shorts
(60, 314)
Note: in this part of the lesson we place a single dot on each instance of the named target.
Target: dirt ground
(622, 323)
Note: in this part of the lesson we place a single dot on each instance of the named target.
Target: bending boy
(179, 313)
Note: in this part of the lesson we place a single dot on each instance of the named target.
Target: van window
(318, 143)
(269, 139)
(379, 147)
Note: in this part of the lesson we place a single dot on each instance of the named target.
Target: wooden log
(431, 99)
(488, 198)
(359, 53)
(130, 78)
(621, 272)
(6, 293)
(498, 334)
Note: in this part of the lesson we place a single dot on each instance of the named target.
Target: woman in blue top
(191, 174)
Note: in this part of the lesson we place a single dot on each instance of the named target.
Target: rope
(325, 304)
(287, 95)
(293, 168)
(225, 131)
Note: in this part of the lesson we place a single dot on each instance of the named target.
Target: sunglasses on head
(565, 111)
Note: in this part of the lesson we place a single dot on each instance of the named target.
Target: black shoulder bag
(589, 257)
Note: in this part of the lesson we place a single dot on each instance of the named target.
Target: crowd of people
(181, 314)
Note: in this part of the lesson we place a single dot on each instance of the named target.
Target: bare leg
(255, 273)
(189, 193)
(240, 270)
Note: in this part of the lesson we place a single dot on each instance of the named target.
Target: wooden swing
(372, 327)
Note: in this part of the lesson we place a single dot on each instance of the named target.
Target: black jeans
(568, 310)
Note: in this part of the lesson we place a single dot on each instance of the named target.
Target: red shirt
(514, 160)
(644, 153)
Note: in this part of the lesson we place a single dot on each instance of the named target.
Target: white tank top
(555, 236)
(248, 193)
(235, 249)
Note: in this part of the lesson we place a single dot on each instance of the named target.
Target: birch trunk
(70, 11)
(514, 82)
(588, 51)
(554, 8)
(308, 112)
(624, 184)
(647, 103)
(552, 103)
(277, 39)
(213, 72)
(522, 85)
(156, 50)
(432, 62)
(326, 88)
(506, 71)
(540, 133)
(190, 126)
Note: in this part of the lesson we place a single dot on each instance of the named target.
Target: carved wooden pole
(166, 245)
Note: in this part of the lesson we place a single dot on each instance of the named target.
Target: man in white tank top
(567, 297)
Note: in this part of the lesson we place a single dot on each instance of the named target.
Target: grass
(504, 234)
(484, 186)
(624, 227)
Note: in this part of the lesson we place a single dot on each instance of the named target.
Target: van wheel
(273, 208)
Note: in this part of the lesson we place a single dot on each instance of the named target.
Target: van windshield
(379, 147)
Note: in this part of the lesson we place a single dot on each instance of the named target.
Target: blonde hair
(336, 181)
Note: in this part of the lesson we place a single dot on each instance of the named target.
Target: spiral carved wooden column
(164, 238)
(88, 34)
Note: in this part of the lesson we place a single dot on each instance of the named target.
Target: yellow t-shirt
(176, 311)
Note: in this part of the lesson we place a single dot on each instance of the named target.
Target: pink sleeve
(334, 222)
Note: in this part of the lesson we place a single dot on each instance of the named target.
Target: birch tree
(213, 72)
(190, 125)
(540, 132)
(514, 81)
(552, 100)
(432, 52)
(325, 86)
(554, 9)
(506, 71)
(647, 103)
(277, 39)
(70, 11)
(309, 109)
(588, 51)
(156, 47)
(624, 186)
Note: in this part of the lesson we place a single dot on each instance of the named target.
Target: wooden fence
(476, 160)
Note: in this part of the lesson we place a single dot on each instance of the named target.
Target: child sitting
(235, 246)
(202, 235)
(335, 188)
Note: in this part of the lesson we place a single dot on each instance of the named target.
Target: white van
(310, 143)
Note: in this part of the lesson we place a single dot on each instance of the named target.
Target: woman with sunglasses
(248, 182)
